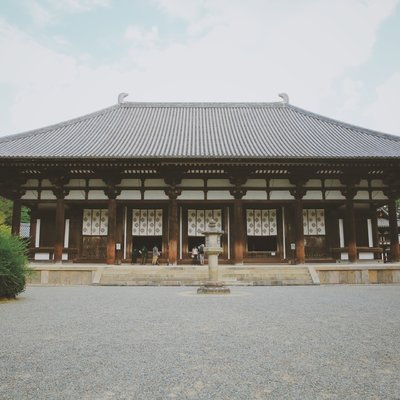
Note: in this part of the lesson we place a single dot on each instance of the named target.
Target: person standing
(195, 255)
(143, 252)
(201, 254)
(156, 254)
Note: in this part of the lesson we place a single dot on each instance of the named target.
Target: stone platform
(188, 275)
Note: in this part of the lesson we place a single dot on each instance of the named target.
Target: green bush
(13, 265)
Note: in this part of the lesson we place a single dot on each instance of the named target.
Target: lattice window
(198, 220)
(95, 222)
(314, 221)
(147, 222)
(261, 222)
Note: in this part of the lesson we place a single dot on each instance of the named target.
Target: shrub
(13, 265)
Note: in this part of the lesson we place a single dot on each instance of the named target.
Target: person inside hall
(156, 254)
(201, 254)
(135, 255)
(195, 255)
(143, 253)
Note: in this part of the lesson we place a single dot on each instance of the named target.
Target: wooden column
(32, 228)
(238, 230)
(60, 192)
(299, 231)
(350, 192)
(112, 230)
(173, 231)
(298, 193)
(375, 231)
(239, 244)
(394, 230)
(59, 231)
(16, 217)
(351, 230)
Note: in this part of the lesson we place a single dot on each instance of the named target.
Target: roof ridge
(202, 104)
(345, 124)
(38, 131)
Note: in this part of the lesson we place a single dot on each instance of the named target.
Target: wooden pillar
(237, 224)
(298, 193)
(350, 191)
(394, 230)
(32, 227)
(299, 231)
(351, 230)
(375, 231)
(173, 231)
(60, 229)
(16, 217)
(112, 230)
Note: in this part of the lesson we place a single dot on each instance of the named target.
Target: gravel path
(337, 342)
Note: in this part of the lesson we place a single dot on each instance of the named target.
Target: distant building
(283, 183)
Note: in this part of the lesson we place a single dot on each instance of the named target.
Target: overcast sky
(64, 58)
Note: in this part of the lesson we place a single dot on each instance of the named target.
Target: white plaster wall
(130, 182)
(256, 183)
(378, 195)
(97, 195)
(155, 183)
(313, 195)
(363, 183)
(218, 182)
(31, 183)
(77, 182)
(30, 195)
(47, 195)
(366, 256)
(96, 182)
(362, 195)
(281, 195)
(280, 183)
(219, 195)
(192, 195)
(129, 195)
(42, 256)
(155, 195)
(255, 195)
(76, 195)
(332, 183)
(334, 195)
(313, 182)
(46, 182)
(192, 182)
(377, 183)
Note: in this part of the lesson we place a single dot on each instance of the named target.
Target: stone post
(212, 250)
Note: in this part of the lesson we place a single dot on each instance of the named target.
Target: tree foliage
(13, 264)
(6, 208)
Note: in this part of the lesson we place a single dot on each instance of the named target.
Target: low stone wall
(83, 274)
(365, 274)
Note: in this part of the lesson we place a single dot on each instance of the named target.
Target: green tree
(13, 264)
(6, 208)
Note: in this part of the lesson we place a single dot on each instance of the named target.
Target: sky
(61, 59)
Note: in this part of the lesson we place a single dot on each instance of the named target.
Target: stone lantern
(212, 250)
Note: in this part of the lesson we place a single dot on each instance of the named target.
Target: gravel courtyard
(337, 342)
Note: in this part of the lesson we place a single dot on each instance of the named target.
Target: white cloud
(383, 112)
(234, 51)
(48, 12)
(141, 37)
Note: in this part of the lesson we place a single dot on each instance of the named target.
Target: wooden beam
(351, 230)
(299, 231)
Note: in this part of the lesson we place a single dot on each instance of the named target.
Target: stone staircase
(197, 275)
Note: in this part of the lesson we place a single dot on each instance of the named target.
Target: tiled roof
(210, 130)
